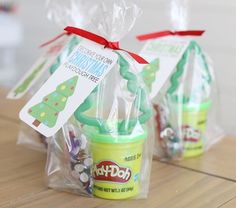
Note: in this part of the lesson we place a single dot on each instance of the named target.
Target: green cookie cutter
(140, 102)
(71, 45)
(149, 71)
(180, 69)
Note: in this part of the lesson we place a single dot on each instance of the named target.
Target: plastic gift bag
(71, 12)
(186, 104)
(186, 99)
(105, 149)
(31, 139)
(69, 161)
(61, 13)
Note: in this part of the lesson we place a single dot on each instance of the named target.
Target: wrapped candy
(68, 152)
(105, 149)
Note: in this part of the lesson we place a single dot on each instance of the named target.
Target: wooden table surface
(208, 181)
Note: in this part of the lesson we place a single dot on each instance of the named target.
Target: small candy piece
(170, 142)
(83, 141)
(71, 134)
(74, 152)
(174, 150)
(81, 162)
(81, 155)
(77, 142)
(89, 189)
(88, 186)
(79, 168)
(88, 161)
(167, 133)
(84, 177)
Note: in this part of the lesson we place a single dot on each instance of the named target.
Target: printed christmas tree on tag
(59, 97)
(48, 110)
(29, 79)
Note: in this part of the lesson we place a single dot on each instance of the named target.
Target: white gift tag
(163, 55)
(39, 67)
(68, 87)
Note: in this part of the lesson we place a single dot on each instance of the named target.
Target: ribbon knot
(102, 41)
(112, 45)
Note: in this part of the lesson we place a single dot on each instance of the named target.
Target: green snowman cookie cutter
(174, 80)
(123, 125)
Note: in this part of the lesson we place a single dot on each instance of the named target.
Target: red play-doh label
(190, 134)
(110, 171)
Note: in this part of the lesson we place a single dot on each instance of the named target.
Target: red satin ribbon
(102, 41)
(170, 33)
(54, 39)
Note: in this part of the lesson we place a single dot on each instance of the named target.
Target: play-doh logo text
(110, 171)
(190, 134)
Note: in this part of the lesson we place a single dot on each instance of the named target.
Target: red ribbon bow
(98, 39)
(170, 33)
(102, 41)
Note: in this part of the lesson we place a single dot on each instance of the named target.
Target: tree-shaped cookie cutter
(174, 82)
(149, 71)
(71, 45)
(123, 125)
